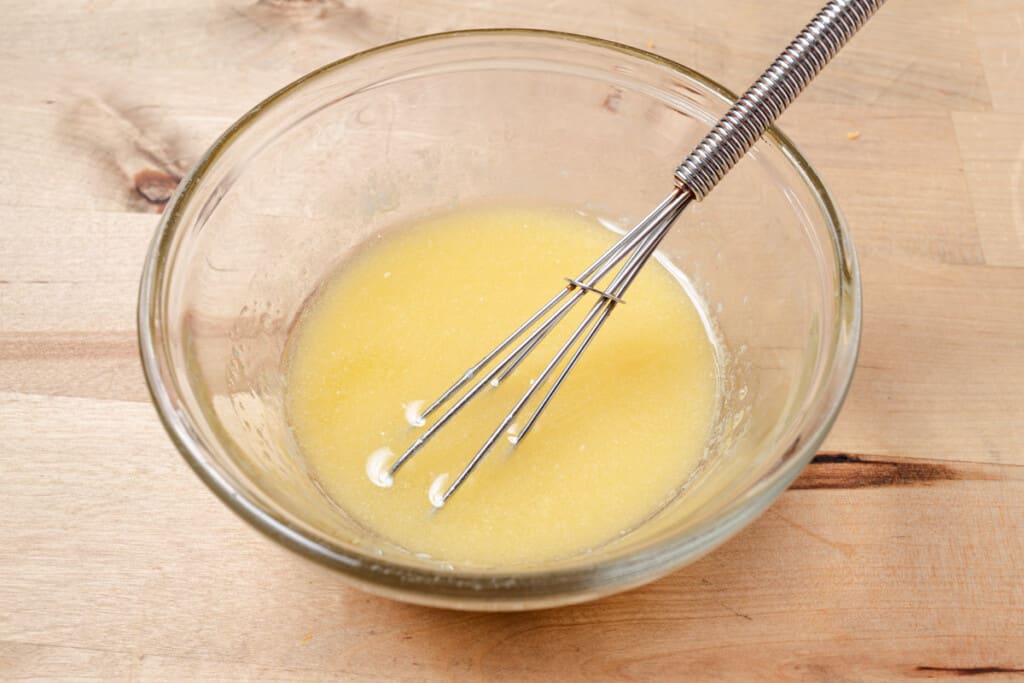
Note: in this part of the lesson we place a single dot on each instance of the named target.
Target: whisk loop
(734, 134)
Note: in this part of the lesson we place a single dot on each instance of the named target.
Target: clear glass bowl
(438, 122)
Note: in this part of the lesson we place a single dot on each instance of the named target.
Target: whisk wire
(607, 304)
(592, 276)
(643, 240)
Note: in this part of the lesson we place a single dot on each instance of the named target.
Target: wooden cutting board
(898, 554)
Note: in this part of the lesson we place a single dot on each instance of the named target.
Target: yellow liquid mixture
(408, 314)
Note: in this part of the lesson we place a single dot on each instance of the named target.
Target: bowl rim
(507, 590)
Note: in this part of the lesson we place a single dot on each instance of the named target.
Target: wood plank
(939, 364)
(899, 182)
(30, 662)
(85, 266)
(896, 578)
(992, 147)
(103, 365)
(998, 30)
(894, 63)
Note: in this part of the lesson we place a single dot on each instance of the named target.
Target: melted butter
(407, 315)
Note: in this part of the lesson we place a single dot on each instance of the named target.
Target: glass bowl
(434, 123)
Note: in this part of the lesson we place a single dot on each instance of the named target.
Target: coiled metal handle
(768, 97)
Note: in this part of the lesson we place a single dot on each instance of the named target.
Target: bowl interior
(348, 152)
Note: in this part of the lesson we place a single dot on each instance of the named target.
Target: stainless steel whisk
(745, 122)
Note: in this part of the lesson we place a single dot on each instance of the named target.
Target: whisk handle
(768, 97)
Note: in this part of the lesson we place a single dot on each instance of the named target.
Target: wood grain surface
(898, 554)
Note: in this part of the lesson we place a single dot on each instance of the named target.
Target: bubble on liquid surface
(437, 490)
(377, 466)
(513, 433)
(413, 414)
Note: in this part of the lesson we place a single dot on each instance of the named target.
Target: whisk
(734, 134)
